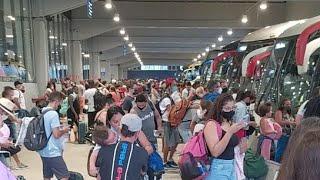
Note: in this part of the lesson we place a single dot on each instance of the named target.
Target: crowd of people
(127, 119)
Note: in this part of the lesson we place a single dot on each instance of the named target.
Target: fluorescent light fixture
(116, 17)
(199, 56)
(86, 55)
(11, 18)
(122, 31)
(213, 45)
(244, 19)
(108, 4)
(243, 48)
(280, 45)
(263, 5)
(9, 36)
(230, 32)
(82, 53)
(6, 54)
(133, 49)
(195, 59)
(207, 49)
(203, 54)
(220, 38)
(64, 44)
(130, 44)
(126, 38)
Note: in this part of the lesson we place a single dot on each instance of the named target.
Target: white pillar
(95, 68)
(76, 61)
(41, 55)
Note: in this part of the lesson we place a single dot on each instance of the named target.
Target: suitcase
(75, 176)
(82, 130)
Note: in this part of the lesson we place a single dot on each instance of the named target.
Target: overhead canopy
(222, 57)
(246, 59)
(255, 60)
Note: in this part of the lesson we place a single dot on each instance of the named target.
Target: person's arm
(216, 146)
(264, 127)
(158, 117)
(92, 163)
(279, 119)
(145, 143)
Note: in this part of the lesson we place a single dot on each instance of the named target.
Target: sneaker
(167, 166)
(21, 165)
(173, 164)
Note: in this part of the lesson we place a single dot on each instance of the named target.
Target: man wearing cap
(19, 95)
(124, 160)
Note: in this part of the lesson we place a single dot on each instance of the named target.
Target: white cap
(133, 122)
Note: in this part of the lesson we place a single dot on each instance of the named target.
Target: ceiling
(172, 31)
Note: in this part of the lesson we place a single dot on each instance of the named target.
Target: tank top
(148, 125)
(228, 153)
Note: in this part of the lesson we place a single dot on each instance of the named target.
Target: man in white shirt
(19, 95)
(188, 91)
(88, 95)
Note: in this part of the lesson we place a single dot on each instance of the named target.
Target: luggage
(178, 111)
(82, 130)
(75, 176)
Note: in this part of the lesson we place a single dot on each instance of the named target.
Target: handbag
(254, 165)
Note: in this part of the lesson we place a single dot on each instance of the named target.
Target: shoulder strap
(114, 158)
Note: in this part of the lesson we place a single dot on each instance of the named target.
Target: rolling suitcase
(82, 130)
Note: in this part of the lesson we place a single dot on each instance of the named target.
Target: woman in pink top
(269, 130)
(115, 95)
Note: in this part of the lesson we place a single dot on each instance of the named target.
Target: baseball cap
(133, 122)
(16, 83)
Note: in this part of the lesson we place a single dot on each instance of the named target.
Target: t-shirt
(148, 124)
(163, 107)
(211, 96)
(22, 102)
(55, 146)
(122, 161)
(4, 133)
(127, 103)
(88, 94)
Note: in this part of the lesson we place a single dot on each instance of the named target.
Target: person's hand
(160, 130)
(236, 127)
(66, 128)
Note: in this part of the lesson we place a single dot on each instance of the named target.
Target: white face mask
(220, 90)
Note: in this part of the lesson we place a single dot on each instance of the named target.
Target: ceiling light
(126, 38)
(230, 32)
(203, 54)
(86, 55)
(122, 31)
(243, 48)
(82, 53)
(195, 59)
(244, 19)
(64, 44)
(9, 36)
(213, 45)
(130, 44)
(11, 18)
(199, 56)
(116, 17)
(6, 54)
(133, 49)
(207, 49)
(108, 4)
(220, 38)
(263, 5)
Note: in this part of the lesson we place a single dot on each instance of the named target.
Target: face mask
(224, 90)
(228, 115)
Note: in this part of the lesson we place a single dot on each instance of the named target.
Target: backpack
(157, 105)
(96, 97)
(36, 138)
(178, 111)
(254, 165)
(155, 163)
(195, 156)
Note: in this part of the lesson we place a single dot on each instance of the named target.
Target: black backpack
(36, 138)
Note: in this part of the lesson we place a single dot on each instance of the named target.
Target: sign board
(89, 8)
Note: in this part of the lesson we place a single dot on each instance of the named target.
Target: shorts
(184, 130)
(171, 135)
(54, 166)
(222, 169)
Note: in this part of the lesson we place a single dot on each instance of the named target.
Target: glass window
(16, 58)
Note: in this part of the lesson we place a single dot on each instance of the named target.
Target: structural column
(95, 67)
(41, 56)
(76, 61)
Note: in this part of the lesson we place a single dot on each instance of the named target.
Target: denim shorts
(184, 130)
(222, 170)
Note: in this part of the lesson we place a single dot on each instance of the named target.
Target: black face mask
(248, 104)
(228, 115)
(224, 90)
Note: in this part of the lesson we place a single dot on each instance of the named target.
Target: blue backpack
(155, 163)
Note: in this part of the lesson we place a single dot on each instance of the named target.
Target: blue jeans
(281, 147)
(184, 130)
(222, 170)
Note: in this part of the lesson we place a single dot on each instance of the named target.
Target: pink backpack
(197, 145)
(195, 156)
